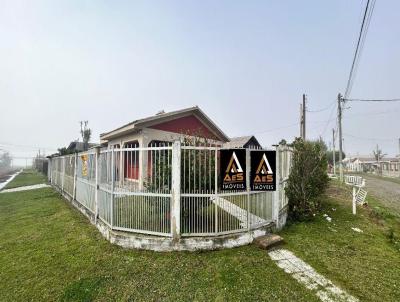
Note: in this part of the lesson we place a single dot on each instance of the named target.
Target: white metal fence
(166, 190)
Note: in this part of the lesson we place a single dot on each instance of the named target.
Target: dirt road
(385, 190)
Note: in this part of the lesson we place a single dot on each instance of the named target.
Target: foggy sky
(245, 63)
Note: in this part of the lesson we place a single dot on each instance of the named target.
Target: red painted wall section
(190, 125)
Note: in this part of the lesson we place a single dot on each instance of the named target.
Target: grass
(50, 252)
(26, 178)
(365, 264)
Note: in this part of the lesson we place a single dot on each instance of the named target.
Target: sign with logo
(84, 159)
(263, 171)
(233, 169)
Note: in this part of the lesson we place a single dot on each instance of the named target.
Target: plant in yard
(308, 179)
(86, 133)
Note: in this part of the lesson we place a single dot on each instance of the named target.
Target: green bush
(308, 179)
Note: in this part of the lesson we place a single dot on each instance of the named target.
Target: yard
(49, 251)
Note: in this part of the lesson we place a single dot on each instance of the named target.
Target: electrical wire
(370, 138)
(360, 44)
(323, 109)
(372, 100)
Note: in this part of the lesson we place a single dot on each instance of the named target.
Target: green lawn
(49, 251)
(366, 264)
(26, 178)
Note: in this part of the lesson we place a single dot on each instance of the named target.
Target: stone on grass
(268, 241)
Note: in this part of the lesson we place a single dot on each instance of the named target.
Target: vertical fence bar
(63, 174)
(276, 196)
(112, 189)
(248, 186)
(75, 176)
(96, 194)
(176, 191)
(216, 190)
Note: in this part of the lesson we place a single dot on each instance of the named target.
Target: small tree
(5, 160)
(308, 179)
(329, 156)
(86, 133)
(378, 154)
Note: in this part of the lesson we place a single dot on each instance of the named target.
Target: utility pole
(333, 152)
(340, 137)
(301, 121)
(399, 147)
(303, 118)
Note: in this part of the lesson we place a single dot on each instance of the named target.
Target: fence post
(176, 191)
(96, 194)
(354, 200)
(112, 189)
(248, 167)
(63, 174)
(216, 190)
(276, 200)
(75, 175)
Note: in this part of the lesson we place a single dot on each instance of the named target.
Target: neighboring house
(360, 164)
(243, 142)
(76, 146)
(386, 166)
(390, 167)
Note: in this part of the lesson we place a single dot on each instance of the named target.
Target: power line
(360, 43)
(372, 100)
(4, 145)
(323, 109)
(370, 138)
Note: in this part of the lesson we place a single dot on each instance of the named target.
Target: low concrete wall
(165, 244)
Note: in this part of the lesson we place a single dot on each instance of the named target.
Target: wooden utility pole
(301, 121)
(333, 151)
(304, 116)
(340, 137)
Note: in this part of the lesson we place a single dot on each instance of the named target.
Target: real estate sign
(263, 170)
(233, 170)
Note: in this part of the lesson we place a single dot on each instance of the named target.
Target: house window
(131, 161)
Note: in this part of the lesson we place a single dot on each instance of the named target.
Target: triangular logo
(264, 167)
(234, 165)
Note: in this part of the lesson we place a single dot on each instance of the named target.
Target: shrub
(308, 179)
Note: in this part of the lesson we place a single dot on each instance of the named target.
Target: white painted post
(248, 186)
(50, 170)
(63, 174)
(354, 201)
(96, 195)
(215, 190)
(75, 175)
(276, 197)
(176, 191)
(112, 188)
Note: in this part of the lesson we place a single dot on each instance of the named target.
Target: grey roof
(239, 142)
(79, 146)
(163, 117)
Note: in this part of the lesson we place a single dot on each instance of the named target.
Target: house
(76, 146)
(243, 142)
(390, 167)
(360, 164)
(386, 166)
(159, 130)
(165, 127)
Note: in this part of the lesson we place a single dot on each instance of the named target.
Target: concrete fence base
(165, 244)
